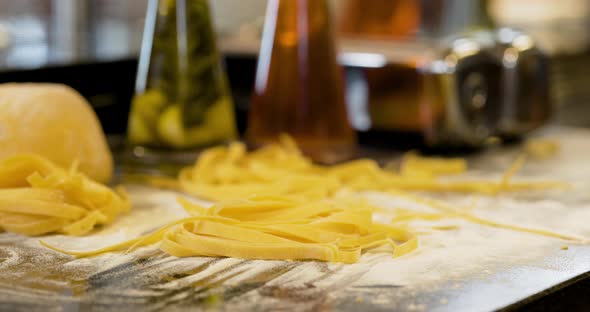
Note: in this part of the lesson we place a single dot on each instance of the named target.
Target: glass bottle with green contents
(182, 98)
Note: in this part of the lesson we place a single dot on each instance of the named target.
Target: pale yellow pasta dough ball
(56, 122)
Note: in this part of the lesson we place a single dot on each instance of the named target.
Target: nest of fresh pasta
(38, 197)
(274, 203)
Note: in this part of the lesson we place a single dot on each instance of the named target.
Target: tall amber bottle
(299, 85)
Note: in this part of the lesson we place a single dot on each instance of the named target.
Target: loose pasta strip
(37, 197)
(231, 173)
(340, 229)
(274, 203)
(448, 211)
(275, 228)
(415, 165)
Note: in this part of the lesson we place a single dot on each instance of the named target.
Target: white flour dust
(445, 257)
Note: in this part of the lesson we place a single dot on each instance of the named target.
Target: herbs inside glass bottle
(182, 98)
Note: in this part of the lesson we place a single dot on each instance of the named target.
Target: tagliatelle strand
(38, 197)
(312, 181)
(274, 203)
(331, 230)
(452, 212)
(230, 172)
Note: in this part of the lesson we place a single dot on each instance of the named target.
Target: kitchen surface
(267, 155)
(468, 268)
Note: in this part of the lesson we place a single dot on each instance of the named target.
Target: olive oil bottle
(182, 98)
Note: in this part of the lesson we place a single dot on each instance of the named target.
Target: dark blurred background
(79, 42)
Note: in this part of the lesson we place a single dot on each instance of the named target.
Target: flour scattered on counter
(152, 209)
(462, 259)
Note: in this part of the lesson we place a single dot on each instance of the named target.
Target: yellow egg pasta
(415, 165)
(274, 203)
(281, 170)
(38, 197)
(334, 230)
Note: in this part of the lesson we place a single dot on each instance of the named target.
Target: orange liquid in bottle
(380, 19)
(299, 85)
